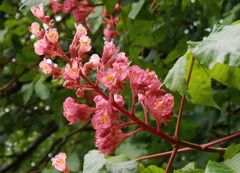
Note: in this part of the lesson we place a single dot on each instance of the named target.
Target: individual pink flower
(48, 68)
(40, 46)
(71, 72)
(102, 104)
(121, 70)
(107, 79)
(59, 162)
(117, 7)
(92, 64)
(118, 99)
(52, 35)
(71, 84)
(161, 107)
(56, 6)
(74, 111)
(38, 11)
(45, 67)
(84, 44)
(81, 30)
(101, 119)
(35, 29)
(109, 50)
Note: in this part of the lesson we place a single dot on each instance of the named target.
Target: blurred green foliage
(32, 127)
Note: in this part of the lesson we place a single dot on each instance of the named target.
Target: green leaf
(226, 75)
(231, 151)
(189, 168)
(151, 169)
(41, 90)
(121, 164)
(27, 91)
(175, 79)
(95, 19)
(214, 167)
(132, 150)
(136, 7)
(199, 87)
(31, 3)
(73, 162)
(222, 46)
(94, 161)
(234, 162)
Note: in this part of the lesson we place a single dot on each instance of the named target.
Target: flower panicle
(112, 71)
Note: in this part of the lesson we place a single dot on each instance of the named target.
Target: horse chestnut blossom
(79, 10)
(74, 111)
(111, 22)
(59, 162)
(112, 71)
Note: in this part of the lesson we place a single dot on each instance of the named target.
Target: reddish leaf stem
(176, 134)
(173, 154)
(204, 146)
(224, 139)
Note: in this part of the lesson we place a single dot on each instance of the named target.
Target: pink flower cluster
(79, 10)
(111, 20)
(106, 123)
(113, 71)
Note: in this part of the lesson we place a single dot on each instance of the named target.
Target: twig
(207, 145)
(176, 134)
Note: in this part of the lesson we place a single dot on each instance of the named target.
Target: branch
(204, 146)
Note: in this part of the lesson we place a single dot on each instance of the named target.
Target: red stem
(133, 133)
(224, 139)
(173, 154)
(176, 134)
(204, 146)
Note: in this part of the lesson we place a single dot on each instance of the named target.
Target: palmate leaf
(95, 162)
(175, 79)
(215, 167)
(226, 75)
(199, 89)
(234, 162)
(150, 169)
(221, 46)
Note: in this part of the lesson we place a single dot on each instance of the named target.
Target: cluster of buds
(79, 10)
(112, 70)
(111, 20)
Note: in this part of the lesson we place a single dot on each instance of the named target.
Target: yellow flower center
(104, 118)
